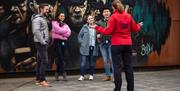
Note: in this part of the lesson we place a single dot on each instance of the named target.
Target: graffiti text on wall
(146, 49)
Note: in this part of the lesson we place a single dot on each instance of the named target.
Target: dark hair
(118, 5)
(57, 14)
(57, 18)
(105, 8)
(72, 2)
(41, 6)
(88, 16)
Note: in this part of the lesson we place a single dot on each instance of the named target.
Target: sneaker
(44, 84)
(107, 78)
(91, 77)
(56, 76)
(81, 78)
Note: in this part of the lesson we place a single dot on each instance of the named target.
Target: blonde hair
(118, 5)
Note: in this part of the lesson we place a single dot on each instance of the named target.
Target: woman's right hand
(141, 23)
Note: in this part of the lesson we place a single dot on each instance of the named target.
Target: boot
(44, 84)
(56, 76)
(107, 78)
(64, 76)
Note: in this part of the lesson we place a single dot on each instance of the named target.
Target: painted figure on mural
(13, 34)
(6, 51)
(77, 10)
(12, 31)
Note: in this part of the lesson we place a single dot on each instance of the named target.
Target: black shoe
(64, 76)
(56, 76)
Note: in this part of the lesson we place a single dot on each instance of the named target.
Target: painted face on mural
(2, 11)
(95, 12)
(19, 12)
(77, 12)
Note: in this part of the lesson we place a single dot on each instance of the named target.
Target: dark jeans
(90, 58)
(60, 46)
(122, 55)
(42, 61)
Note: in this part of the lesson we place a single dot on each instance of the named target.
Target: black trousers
(42, 61)
(60, 46)
(122, 56)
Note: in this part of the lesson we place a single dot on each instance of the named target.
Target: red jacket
(120, 26)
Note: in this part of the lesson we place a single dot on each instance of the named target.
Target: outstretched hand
(141, 23)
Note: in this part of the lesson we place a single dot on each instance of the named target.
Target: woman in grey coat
(88, 47)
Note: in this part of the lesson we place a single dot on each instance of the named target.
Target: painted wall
(156, 45)
(171, 49)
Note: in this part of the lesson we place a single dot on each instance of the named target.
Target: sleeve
(68, 31)
(80, 35)
(109, 29)
(36, 30)
(134, 27)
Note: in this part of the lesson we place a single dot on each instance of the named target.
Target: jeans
(42, 61)
(122, 55)
(60, 46)
(87, 58)
(105, 50)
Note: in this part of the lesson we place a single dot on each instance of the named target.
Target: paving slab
(166, 80)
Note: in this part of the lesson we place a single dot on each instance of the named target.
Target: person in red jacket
(119, 27)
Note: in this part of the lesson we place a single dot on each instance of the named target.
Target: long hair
(118, 5)
(57, 18)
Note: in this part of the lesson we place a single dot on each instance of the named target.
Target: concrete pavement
(166, 80)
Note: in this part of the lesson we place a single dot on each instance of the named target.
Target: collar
(116, 11)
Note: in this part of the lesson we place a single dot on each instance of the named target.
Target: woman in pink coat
(60, 34)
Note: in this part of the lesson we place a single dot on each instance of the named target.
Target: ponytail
(118, 5)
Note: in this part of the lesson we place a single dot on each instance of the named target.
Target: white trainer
(81, 78)
(90, 77)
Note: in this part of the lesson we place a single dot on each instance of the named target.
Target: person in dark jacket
(119, 27)
(105, 43)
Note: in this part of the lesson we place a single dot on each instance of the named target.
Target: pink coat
(58, 32)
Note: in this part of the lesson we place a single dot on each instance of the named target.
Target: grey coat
(83, 39)
(40, 29)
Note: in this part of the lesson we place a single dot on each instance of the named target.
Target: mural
(156, 26)
(14, 33)
(16, 43)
